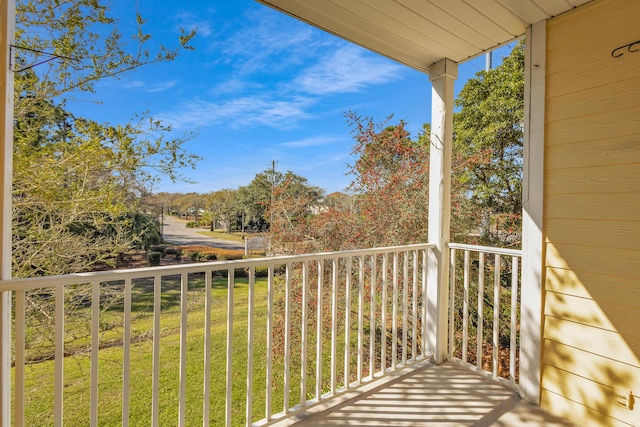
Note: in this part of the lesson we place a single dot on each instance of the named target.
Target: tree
(389, 193)
(79, 185)
(222, 205)
(488, 153)
(294, 201)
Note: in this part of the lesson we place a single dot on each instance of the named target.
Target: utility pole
(273, 189)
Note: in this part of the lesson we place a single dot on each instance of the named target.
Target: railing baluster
(452, 302)
(360, 317)
(496, 367)
(95, 349)
(155, 378)
(514, 319)
(287, 338)
(405, 305)
(424, 324)
(305, 321)
(184, 288)
(372, 317)
(250, 336)
(58, 410)
(229, 367)
(206, 392)
(319, 334)
(347, 323)
(465, 308)
(126, 349)
(496, 313)
(394, 314)
(383, 325)
(269, 361)
(20, 325)
(334, 323)
(480, 331)
(409, 325)
(414, 308)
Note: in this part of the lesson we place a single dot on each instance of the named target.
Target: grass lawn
(40, 376)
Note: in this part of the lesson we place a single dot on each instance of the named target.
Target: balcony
(338, 338)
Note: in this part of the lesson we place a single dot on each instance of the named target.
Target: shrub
(195, 256)
(170, 250)
(158, 248)
(154, 258)
(262, 271)
(191, 224)
(211, 256)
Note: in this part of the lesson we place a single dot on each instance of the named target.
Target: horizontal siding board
(598, 233)
(603, 370)
(575, 412)
(614, 124)
(610, 261)
(596, 179)
(579, 414)
(574, 41)
(613, 96)
(594, 340)
(600, 287)
(595, 152)
(611, 206)
(602, 399)
(612, 317)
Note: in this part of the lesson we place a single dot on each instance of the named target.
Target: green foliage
(78, 184)
(190, 224)
(488, 154)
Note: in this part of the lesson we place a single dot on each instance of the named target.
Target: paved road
(175, 231)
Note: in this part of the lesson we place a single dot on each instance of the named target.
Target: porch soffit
(419, 33)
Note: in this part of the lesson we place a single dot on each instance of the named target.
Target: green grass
(40, 376)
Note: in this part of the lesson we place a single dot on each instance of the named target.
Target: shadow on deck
(429, 395)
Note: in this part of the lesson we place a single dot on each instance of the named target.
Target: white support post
(532, 215)
(442, 76)
(7, 31)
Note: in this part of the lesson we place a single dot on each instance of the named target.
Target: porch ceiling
(419, 33)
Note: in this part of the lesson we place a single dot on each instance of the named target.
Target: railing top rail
(486, 249)
(168, 270)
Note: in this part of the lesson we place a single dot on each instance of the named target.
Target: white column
(442, 76)
(7, 30)
(532, 213)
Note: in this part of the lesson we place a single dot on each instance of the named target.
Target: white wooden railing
(322, 324)
(476, 305)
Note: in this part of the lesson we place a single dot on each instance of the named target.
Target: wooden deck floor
(429, 395)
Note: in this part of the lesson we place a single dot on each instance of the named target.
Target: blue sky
(260, 86)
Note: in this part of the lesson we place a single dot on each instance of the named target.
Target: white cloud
(133, 84)
(268, 41)
(240, 112)
(190, 22)
(348, 69)
(161, 87)
(314, 141)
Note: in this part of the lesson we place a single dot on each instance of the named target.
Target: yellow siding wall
(591, 354)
